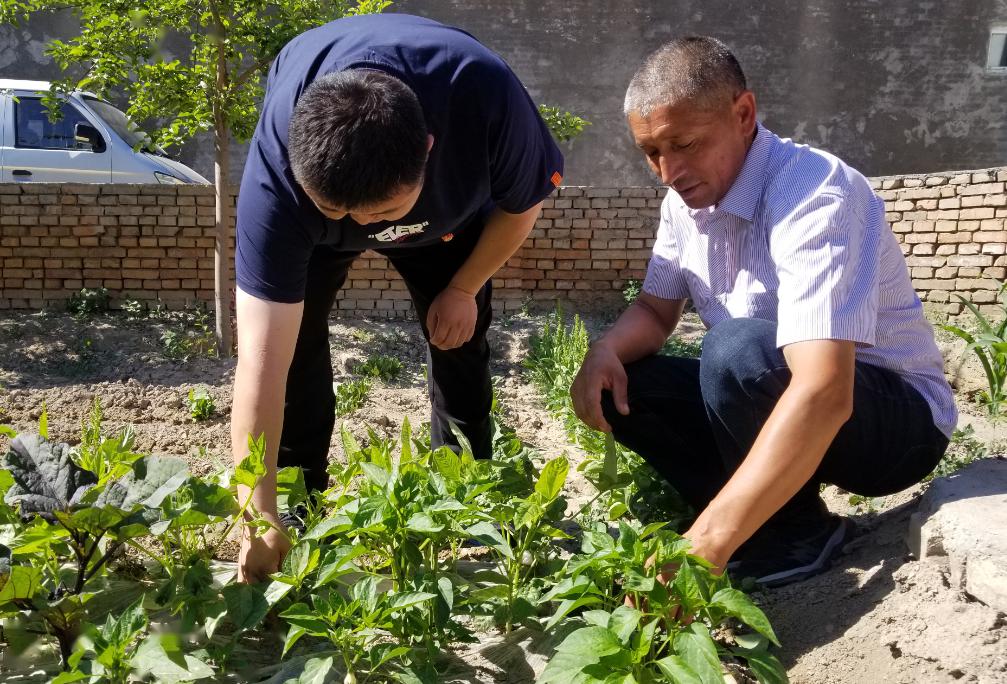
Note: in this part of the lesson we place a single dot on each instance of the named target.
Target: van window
(117, 120)
(34, 129)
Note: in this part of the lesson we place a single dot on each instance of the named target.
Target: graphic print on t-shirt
(397, 233)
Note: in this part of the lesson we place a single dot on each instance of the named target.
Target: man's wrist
(466, 288)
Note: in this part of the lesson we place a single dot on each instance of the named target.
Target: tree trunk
(221, 179)
(222, 247)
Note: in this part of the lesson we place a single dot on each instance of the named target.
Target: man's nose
(363, 219)
(670, 168)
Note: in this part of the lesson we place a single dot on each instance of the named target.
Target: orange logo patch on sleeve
(448, 238)
(556, 179)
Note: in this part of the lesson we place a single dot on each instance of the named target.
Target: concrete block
(962, 520)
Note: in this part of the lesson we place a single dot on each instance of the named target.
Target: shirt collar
(743, 198)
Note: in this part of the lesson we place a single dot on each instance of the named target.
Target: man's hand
(602, 370)
(451, 318)
(261, 556)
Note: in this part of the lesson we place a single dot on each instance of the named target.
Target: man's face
(697, 152)
(392, 209)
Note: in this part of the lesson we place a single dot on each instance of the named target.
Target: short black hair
(699, 70)
(357, 137)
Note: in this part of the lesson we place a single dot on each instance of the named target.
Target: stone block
(962, 520)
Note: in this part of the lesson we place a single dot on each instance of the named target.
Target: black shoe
(293, 519)
(785, 553)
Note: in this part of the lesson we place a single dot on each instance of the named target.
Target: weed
(555, 357)
(201, 405)
(675, 346)
(134, 309)
(963, 449)
(631, 290)
(88, 302)
(870, 504)
(362, 335)
(384, 368)
(350, 395)
(192, 336)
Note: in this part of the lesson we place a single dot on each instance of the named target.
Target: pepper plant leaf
(737, 604)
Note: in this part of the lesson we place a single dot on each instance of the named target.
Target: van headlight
(168, 179)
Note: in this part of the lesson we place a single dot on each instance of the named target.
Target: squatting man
(818, 365)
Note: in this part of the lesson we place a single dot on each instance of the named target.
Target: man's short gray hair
(696, 69)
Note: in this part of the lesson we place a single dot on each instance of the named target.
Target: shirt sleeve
(826, 258)
(273, 241)
(664, 272)
(526, 165)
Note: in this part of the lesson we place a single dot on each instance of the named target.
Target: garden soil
(878, 615)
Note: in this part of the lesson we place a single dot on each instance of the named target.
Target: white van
(93, 142)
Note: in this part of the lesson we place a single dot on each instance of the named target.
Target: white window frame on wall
(992, 61)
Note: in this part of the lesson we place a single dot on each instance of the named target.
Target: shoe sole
(778, 579)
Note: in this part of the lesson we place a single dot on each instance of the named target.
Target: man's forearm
(258, 410)
(502, 236)
(642, 329)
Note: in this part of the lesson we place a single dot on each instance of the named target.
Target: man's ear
(744, 109)
(430, 142)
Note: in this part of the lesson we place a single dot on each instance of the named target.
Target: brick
(929, 261)
(977, 213)
(975, 260)
(983, 189)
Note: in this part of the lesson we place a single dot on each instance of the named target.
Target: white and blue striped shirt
(801, 239)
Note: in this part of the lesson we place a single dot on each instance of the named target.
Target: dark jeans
(694, 420)
(458, 380)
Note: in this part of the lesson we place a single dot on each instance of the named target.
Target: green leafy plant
(990, 347)
(350, 395)
(134, 309)
(563, 125)
(200, 404)
(384, 368)
(640, 628)
(963, 449)
(63, 567)
(88, 302)
(191, 336)
(675, 346)
(521, 535)
(631, 290)
(555, 356)
(362, 335)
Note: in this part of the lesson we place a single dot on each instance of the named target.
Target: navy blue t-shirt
(491, 147)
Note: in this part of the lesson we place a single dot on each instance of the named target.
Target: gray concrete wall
(893, 87)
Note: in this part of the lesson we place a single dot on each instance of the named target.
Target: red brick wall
(156, 242)
(142, 241)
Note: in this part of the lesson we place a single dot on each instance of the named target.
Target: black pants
(458, 380)
(694, 420)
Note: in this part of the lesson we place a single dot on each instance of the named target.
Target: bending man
(385, 132)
